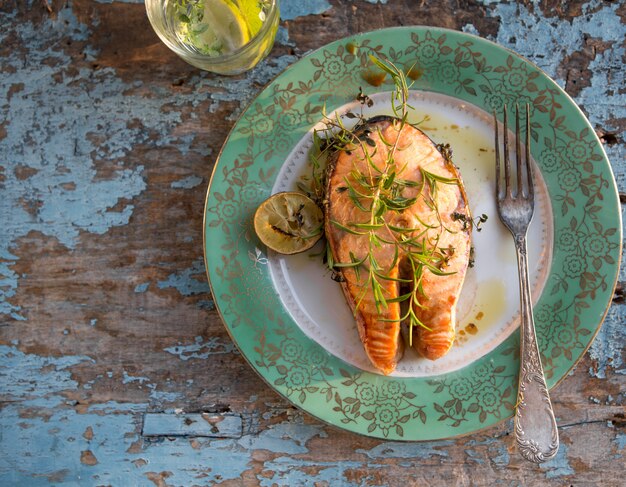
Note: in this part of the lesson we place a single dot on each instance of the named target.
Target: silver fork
(535, 427)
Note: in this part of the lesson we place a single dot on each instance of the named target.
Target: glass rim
(254, 40)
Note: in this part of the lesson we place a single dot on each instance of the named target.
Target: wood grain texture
(107, 143)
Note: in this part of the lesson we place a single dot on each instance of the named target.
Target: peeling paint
(201, 349)
(497, 452)
(470, 29)
(64, 148)
(193, 425)
(157, 397)
(292, 9)
(474, 456)
(546, 42)
(114, 407)
(287, 438)
(164, 396)
(129, 379)
(607, 348)
(282, 37)
(142, 288)
(620, 441)
(205, 304)
(184, 283)
(287, 472)
(606, 102)
(113, 436)
(88, 458)
(242, 91)
(187, 183)
(32, 445)
(48, 435)
(559, 466)
(27, 376)
(394, 449)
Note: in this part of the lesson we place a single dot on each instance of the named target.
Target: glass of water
(221, 36)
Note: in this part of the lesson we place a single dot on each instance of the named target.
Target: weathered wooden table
(107, 143)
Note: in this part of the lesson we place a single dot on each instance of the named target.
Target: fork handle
(535, 427)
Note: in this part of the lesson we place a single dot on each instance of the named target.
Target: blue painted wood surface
(112, 356)
(179, 423)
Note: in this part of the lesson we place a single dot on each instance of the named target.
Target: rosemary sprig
(190, 18)
(380, 193)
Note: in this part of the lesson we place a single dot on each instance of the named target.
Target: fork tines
(524, 181)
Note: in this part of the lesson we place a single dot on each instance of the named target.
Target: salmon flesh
(437, 225)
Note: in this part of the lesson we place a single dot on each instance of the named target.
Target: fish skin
(380, 329)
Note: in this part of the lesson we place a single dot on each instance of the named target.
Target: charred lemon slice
(289, 222)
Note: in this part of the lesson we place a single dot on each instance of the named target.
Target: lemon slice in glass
(289, 222)
(215, 27)
(254, 15)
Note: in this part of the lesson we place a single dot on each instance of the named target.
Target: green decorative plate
(289, 318)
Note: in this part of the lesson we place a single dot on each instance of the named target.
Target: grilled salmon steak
(398, 226)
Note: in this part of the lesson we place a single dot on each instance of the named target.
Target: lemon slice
(219, 29)
(289, 222)
(254, 15)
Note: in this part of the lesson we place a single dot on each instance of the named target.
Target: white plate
(489, 302)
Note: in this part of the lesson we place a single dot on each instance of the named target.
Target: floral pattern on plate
(586, 220)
